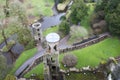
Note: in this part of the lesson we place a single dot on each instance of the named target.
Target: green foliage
(24, 35)
(112, 11)
(113, 19)
(77, 33)
(86, 21)
(101, 5)
(16, 9)
(114, 23)
(10, 77)
(88, 1)
(61, 1)
(64, 28)
(79, 11)
(30, 45)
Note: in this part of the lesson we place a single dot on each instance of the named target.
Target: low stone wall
(75, 47)
(85, 44)
(33, 64)
(81, 70)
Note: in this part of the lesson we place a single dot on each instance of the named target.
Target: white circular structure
(36, 25)
(52, 37)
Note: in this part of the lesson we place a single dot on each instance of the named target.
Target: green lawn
(38, 70)
(91, 55)
(50, 30)
(22, 58)
(97, 53)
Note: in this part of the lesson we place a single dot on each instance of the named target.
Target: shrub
(64, 28)
(69, 60)
(30, 45)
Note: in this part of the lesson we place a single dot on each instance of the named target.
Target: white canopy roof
(52, 37)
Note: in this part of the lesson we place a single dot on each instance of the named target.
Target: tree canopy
(64, 28)
(79, 11)
(111, 9)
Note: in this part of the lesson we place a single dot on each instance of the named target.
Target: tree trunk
(5, 39)
(13, 57)
(6, 9)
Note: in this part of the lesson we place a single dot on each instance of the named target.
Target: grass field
(38, 70)
(50, 30)
(91, 55)
(97, 53)
(22, 58)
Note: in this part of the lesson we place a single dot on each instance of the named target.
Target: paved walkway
(63, 42)
(40, 53)
(28, 62)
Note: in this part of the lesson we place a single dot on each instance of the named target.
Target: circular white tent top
(36, 25)
(52, 37)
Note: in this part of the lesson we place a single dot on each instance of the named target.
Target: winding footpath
(30, 62)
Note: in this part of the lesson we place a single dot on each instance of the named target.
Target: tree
(64, 28)
(61, 1)
(24, 35)
(6, 9)
(69, 60)
(16, 9)
(79, 11)
(111, 9)
(8, 46)
(113, 18)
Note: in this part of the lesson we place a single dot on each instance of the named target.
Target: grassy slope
(38, 70)
(91, 55)
(22, 58)
(49, 30)
(96, 53)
